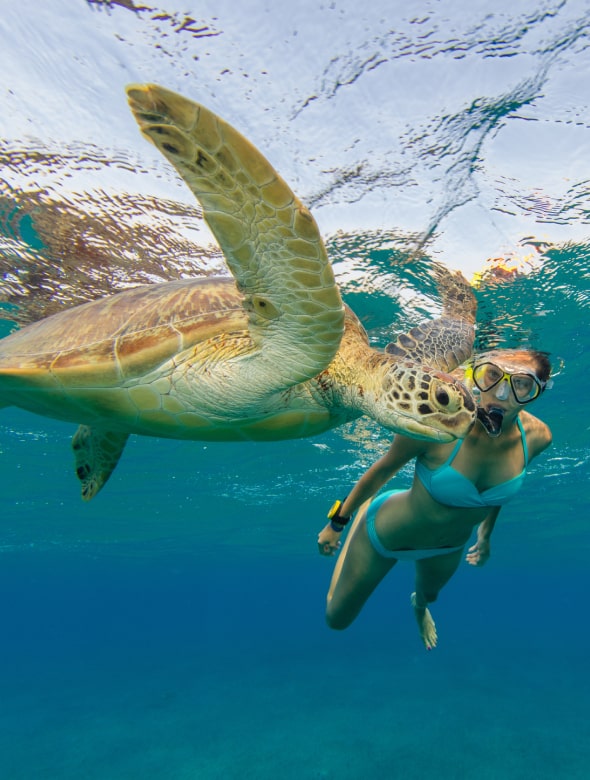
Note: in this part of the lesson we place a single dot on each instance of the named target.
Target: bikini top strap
(451, 457)
(524, 444)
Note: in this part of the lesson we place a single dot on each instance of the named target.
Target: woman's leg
(431, 575)
(358, 571)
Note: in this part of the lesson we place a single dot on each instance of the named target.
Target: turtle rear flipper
(97, 452)
(446, 342)
(442, 344)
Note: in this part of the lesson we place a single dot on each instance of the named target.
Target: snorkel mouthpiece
(491, 420)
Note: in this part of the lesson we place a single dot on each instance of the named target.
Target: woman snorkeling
(456, 487)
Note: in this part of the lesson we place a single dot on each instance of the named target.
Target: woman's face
(504, 382)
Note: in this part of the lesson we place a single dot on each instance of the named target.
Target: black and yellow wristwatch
(337, 521)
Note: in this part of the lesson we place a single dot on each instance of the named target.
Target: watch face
(334, 510)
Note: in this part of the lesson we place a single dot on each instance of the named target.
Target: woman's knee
(429, 595)
(432, 574)
(337, 619)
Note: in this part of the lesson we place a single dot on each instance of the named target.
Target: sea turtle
(271, 354)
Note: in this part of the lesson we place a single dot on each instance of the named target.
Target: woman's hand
(329, 541)
(479, 553)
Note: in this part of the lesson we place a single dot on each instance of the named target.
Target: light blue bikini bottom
(400, 555)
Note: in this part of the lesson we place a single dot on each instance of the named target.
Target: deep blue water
(173, 628)
(196, 666)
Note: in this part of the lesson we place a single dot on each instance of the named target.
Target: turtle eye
(442, 396)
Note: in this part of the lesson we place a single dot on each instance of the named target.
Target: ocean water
(173, 628)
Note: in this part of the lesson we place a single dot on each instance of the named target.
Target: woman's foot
(426, 624)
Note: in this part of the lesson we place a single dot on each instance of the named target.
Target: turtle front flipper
(97, 452)
(270, 240)
(446, 342)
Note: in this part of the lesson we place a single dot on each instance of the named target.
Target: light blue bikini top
(447, 486)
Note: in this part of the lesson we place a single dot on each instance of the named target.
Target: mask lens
(525, 387)
(486, 376)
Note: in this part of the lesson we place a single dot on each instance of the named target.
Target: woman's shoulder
(407, 448)
(538, 434)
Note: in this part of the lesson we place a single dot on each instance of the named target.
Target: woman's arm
(538, 434)
(538, 437)
(401, 451)
(480, 552)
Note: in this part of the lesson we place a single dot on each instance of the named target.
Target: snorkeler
(456, 487)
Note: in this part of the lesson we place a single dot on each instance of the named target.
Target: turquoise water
(173, 627)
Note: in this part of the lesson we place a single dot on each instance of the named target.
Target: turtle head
(424, 403)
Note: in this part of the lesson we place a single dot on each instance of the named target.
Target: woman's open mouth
(491, 419)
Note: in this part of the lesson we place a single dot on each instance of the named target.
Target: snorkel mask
(484, 375)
